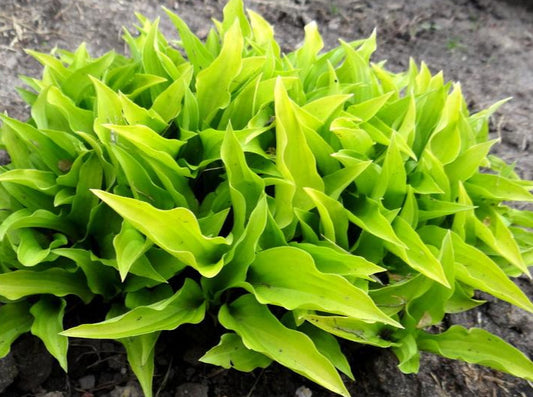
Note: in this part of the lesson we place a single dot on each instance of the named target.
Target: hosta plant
(290, 199)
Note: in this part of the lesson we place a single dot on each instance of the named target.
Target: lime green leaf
(242, 253)
(475, 268)
(196, 51)
(364, 111)
(262, 332)
(288, 277)
(186, 306)
(43, 219)
(246, 187)
(21, 283)
(142, 185)
(418, 255)
(234, 11)
(213, 83)
(367, 214)
(339, 261)
(294, 158)
(468, 162)
(477, 346)
(338, 181)
(135, 114)
(129, 245)
(168, 103)
(392, 182)
(496, 187)
(15, 320)
(492, 229)
(333, 217)
(42, 151)
(48, 323)
(329, 347)
(351, 329)
(144, 136)
(176, 231)
(108, 105)
(101, 278)
(231, 353)
(408, 355)
(141, 352)
(90, 177)
(31, 252)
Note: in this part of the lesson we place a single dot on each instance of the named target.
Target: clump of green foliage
(297, 198)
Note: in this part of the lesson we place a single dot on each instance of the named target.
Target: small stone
(87, 382)
(8, 371)
(303, 391)
(395, 6)
(132, 389)
(192, 390)
(34, 363)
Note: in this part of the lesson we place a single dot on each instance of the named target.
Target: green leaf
(48, 313)
(141, 352)
(246, 187)
(242, 252)
(129, 245)
(476, 269)
(364, 111)
(231, 353)
(329, 347)
(496, 187)
(350, 329)
(197, 53)
(143, 136)
(15, 320)
(333, 217)
(262, 332)
(108, 105)
(176, 231)
(392, 182)
(477, 346)
(338, 181)
(339, 261)
(56, 281)
(186, 306)
(101, 278)
(367, 214)
(30, 251)
(168, 103)
(408, 354)
(288, 277)
(213, 83)
(44, 181)
(141, 183)
(294, 158)
(418, 255)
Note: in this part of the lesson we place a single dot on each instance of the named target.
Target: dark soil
(485, 44)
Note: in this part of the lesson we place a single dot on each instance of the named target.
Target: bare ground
(487, 45)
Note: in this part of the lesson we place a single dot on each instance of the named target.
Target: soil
(487, 45)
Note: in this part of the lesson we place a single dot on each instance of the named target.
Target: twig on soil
(441, 391)
(63, 10)
(255, 383)
(165, 378)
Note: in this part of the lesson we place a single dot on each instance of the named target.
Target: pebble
(130, 390)
(303, 391)
(192, 390)
(8, 371)
(87, 382)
